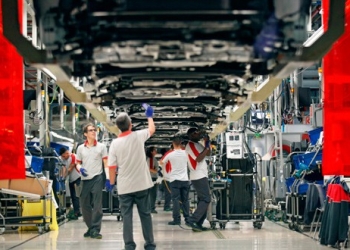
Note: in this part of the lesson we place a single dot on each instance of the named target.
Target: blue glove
(83, 172)
(149, 110)
(207, 143)
(109, 186)
(269, 35)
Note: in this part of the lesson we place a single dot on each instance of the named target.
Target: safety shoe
(96, 235)
(73, 217)
(168, 209)
(78, 214)
(204, 228)
(194, 226)
(154, 211)
(87, 234)
(173, 223)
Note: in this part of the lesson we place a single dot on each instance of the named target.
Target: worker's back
(133, 172)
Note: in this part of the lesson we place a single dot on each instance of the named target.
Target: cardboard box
(4, 184)
(30, 185)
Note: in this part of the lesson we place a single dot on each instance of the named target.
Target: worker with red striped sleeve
(91, 158)
(196, 154)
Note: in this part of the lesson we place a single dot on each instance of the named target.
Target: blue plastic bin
(37, 164)
(57, 147)
(314, 135)
(289, 183)
(300, 186)
(306, 159)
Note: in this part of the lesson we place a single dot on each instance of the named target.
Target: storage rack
(42, 222)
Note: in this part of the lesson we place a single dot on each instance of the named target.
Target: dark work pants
(73, 195)
(91, 202)
(55, 189)
(179, 195)
(141, 199)
(203, 195)
(167, 194)
(153, 195)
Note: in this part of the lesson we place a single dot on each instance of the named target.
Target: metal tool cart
(110, 203)
(53, 165)
(295, 205)
(10, 196)
(237, 197)
(58, 185)
(306, 171)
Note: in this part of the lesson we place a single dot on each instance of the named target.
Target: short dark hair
(177, 141)
(191, 130)
(63, 150)
(123, 121)
(149, 151)
(85, 128)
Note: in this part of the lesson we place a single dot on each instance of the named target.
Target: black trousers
(179, 195)
(73, 195)
(203, 193)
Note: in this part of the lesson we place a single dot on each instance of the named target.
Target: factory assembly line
(256, 80)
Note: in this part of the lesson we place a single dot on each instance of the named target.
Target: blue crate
(37, 164)
(314, 135)
(300, 186)
(31, 144)
(306, 159)
(289, 183)
(57, 147)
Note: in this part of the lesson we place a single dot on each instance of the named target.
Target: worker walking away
(179, 184)
(90, 156)
(153, 169)
(71, 172)
(134, 179)
(196, 154)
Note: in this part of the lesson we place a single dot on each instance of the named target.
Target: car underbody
(190, 60)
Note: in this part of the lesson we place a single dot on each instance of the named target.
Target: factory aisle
(236, 236)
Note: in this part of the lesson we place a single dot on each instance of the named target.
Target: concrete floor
(236, 236)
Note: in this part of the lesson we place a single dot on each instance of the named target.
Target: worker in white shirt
(196, 153)
(178, 179)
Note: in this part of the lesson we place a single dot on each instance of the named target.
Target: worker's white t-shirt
(154, 166)
(128, 154)
(91, 158)
(178, 160)
(74, 175)
(166, 168)
(198, 170)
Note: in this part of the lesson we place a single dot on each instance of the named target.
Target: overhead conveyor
(305, 57)
(39, 59)
(314, 49)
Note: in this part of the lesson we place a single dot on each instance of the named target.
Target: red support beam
(11, 108)
(336, 73)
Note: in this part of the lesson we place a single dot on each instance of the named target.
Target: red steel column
(336, 73)
(11, 109)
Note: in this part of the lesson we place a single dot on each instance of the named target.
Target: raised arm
(149, 114)
(151, 126)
